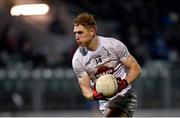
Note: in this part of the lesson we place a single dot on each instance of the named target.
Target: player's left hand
(122, 84)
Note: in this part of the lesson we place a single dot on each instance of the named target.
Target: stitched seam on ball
(113, 81)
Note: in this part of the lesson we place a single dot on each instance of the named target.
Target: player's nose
(77, 37)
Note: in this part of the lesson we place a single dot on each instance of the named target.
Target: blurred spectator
(159, 49)
(56, 25)
(138, 24)
(27, 53)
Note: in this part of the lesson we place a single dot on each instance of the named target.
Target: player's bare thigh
(115, 113)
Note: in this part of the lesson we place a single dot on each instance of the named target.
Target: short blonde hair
(86, 20)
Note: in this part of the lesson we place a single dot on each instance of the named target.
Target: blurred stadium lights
(47, 73)
(36, 74)
(29, 9)
(58, 73)
(24, 74)
(12, 74)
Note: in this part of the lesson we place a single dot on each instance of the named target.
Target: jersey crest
(104, 70)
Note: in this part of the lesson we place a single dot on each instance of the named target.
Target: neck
(93, 45)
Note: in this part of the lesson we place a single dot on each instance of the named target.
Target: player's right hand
(97, 96)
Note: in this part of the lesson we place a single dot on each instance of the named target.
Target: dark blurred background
(36, 76)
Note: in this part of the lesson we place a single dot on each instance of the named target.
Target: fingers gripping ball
(122, 84)
(107, 85)
(97, 96)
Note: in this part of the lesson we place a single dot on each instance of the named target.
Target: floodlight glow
(29, 9)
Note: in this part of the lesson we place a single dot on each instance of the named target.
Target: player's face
(83, 36)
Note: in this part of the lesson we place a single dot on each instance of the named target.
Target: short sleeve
(78, 68)
(120, 49)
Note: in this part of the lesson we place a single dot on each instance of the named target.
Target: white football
(107, 85)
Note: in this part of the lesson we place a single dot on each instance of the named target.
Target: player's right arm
(85, 81)
(85, 85)
(83, 77)
(88, 92)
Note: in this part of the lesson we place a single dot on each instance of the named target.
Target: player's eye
(79, 32)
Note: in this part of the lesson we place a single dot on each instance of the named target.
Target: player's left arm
(134, 69)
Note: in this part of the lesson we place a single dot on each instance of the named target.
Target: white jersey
(106, 59)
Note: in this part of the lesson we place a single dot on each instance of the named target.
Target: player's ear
(93, 31)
